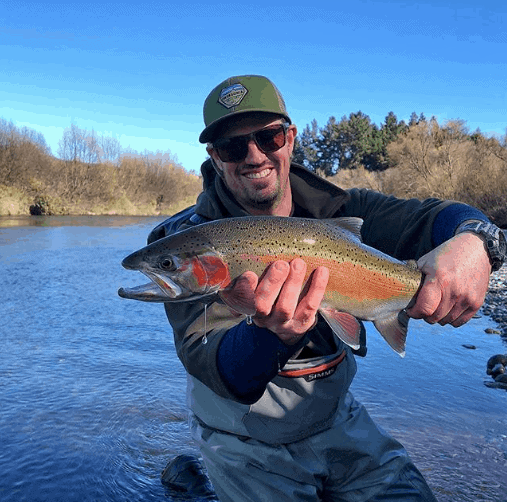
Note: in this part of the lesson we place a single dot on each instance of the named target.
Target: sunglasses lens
(270, 140)
(232, 150)
(236, 149)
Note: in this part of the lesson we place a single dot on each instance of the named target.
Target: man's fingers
(427, 301)
(240, 294)
(454, 310)
(456, 281)
(269, 287)
(463, 318)
(434, 304)
(287, 300)
(283, 305)
(310, 299)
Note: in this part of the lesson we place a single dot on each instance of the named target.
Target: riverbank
(495, 304)
(14, 202)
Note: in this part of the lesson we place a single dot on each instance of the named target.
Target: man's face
(260, 181)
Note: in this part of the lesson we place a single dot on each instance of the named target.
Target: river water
(92, 395)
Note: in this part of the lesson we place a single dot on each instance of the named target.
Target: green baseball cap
(236, 95)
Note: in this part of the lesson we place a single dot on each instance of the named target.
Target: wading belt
(315, 372)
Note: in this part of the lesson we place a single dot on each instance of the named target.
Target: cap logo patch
(232, 95)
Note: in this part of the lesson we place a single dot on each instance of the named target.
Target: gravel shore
(495, 304)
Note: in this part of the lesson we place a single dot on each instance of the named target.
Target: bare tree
(81, 145)
(69, 147)
(109, 149)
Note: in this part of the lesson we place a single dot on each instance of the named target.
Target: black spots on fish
(379, 264)
(190, 242)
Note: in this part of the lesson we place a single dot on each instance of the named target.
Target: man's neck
(284, 208)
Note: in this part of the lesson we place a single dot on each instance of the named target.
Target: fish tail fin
(393, 328)
(345, 326)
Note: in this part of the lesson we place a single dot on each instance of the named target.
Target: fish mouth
(159, 289)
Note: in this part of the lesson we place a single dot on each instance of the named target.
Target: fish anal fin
(350, 223)
(346, 327)
(394, 330)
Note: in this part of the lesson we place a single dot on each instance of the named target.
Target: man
(269, 396)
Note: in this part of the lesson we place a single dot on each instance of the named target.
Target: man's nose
(255, 155)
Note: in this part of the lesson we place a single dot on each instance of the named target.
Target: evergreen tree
(328, 148)
(389, 132)
(413, 119)
(306, 147)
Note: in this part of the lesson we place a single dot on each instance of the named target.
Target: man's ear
(291, 137)
(212, 154)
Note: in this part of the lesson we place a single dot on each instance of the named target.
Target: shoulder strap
(185, 218)
(197, 219)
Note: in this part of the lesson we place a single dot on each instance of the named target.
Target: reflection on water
(93, 396)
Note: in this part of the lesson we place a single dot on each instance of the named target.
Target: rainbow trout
(198, 263)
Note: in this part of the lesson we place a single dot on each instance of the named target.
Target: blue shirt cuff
(449, 219)
(249, 357)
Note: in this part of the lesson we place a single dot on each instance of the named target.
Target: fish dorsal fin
(350, 223)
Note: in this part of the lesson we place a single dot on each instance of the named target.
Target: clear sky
(140, 71)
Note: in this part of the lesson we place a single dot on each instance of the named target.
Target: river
(92, 393)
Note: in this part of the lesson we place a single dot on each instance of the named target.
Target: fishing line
(205, 338)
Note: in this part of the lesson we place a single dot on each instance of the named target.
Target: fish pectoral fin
(240, 297)
(345, 326)
(393, 328)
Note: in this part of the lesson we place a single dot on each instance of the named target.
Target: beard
(262, 200)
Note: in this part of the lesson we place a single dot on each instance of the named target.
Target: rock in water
(498, 369)
(501, 378)
(494, 361)
(491, 331)
(185, 473)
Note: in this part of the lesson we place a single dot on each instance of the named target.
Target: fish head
(181, 267)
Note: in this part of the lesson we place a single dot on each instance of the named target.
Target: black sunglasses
(268, 140)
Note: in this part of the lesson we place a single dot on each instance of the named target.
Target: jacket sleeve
(197, 338)
(238, 369)
(402, 228)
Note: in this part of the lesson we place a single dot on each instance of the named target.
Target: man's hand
(457, 277)
(278, 300)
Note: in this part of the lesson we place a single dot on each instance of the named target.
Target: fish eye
(167, 264)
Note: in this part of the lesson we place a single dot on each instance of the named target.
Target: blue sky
(140, 71)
